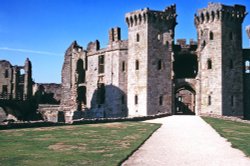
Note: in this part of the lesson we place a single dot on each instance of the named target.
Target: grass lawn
(235, 132)
(92, 144)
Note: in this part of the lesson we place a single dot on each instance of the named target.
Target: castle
(15, 81)
(150, 74)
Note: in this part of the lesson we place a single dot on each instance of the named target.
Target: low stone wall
(231, 118)
(16, 125)
(49, 112)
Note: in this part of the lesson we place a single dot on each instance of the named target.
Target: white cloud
(30, 51)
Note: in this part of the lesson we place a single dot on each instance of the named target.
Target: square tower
(220, 59)
(150, 39)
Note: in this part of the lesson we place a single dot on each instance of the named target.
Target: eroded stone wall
(220, 61)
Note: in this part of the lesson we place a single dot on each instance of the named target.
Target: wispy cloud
(30, 51)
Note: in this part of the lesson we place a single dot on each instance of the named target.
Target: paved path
(186, 140)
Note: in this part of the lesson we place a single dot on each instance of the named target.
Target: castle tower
(150, 38)
(27, 94)
(219, 29)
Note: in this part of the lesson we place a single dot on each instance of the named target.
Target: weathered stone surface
(220, 41)
(147, 73)
(15, 81)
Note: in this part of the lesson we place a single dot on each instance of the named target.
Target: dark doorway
(185, 101)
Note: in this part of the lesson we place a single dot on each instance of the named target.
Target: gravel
(186, 140)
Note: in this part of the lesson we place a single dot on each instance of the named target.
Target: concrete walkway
(186, 140)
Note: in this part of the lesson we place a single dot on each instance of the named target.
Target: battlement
(217, 11)
(146, 15)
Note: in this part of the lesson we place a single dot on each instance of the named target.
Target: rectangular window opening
(101, 64)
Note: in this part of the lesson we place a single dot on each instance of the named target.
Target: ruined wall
(220, 59)
(106, 92)
(49, 88)
(70, 81)
(5, 77)
(16, 81)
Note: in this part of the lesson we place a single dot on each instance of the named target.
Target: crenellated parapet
(220, 12)
(146, 15)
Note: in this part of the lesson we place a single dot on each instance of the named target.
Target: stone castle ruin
(150, 74)
(15, 81)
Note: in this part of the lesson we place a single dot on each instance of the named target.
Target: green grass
(235, 132)
(92, 144)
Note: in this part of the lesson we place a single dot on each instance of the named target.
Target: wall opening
(161, 100)
(80, 71)
(123, 66)
(247, 66)
(6, 73)
(136, 99)
(209, 100)
(209, 64)
(211, 35)
(159, 65)
(101, 64)
(231, 64)
(137, 37)
(185, 66)
(185, 100)
(137, 65)
(231, 36)
(232, 101)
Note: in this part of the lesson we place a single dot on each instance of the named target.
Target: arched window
(211, 35)
(213, 15)
(209, 100)
(137, 65)
(137, 37)
(247, 66)
(136, 99)
(209, 64)
(159, 64)
(202, 17)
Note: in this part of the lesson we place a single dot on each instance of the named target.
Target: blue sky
(43, 29)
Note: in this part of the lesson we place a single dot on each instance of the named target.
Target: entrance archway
(185, 100)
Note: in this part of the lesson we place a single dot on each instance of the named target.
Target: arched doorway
(185, 100)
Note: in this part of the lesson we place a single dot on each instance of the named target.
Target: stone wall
(15, 81)
(246, 56)
(150, 37)
(113, 78)
(49, 88)
(220, 59)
